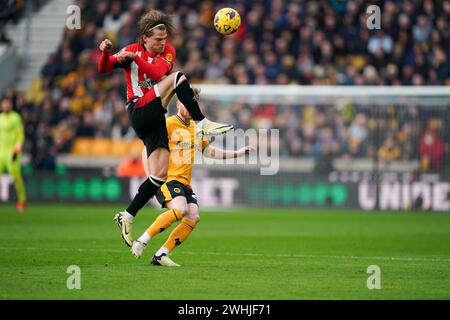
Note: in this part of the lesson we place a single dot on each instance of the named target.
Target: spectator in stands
(388, 152)
(131, 167)
(86, 128)
(380, 43)
(10, 10)
(324, 150)
(441, 64)
(422, 30)
(358, 133)
(115, 19)
(431, 147)
(3, 37)
(122, 129)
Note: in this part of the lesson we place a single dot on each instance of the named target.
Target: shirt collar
(184, 122)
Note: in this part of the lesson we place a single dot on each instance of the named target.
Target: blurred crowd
(345, 131)
(10, 10)
(323, 42)
(13, 10)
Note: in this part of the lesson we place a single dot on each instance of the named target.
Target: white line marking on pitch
(305, 256)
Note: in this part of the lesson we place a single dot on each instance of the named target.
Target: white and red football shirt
(143, 71)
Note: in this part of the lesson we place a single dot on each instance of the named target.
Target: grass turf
(242, 254)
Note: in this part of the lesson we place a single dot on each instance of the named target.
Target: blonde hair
(155, 19)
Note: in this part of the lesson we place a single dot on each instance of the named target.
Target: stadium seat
(120, 148)
(101, 147)
(82, 147)
(136, 146)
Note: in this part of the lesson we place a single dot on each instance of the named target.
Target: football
(227, 21)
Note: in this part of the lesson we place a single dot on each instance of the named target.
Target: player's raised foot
(137, 248)
(163, 260)
(208, 127)
(125, 227)
(20, 206)
(211, 128)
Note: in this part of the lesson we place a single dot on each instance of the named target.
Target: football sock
(164, 221)
(127, 216)
(145, 237)
(186, 95)
(201, 123)
(145, 192)
(162, 251)
(179, 234)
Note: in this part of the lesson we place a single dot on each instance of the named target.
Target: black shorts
(173, 189)
(149, 123)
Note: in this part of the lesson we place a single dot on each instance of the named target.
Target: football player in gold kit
(176, 193)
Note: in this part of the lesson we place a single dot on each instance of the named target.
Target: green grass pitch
(241, 254)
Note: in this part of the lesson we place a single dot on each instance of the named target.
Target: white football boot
(163, 260)
(125, 227)
(138, 248)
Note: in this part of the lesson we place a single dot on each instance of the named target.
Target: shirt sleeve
(159, 68)
(168, 56)
(126, 63)
(108, 62)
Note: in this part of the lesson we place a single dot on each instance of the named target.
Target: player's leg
(144, 158)
(182, 231)
(177, 205)
(178, 83)
(148, 120)
(177, 237)
(166, 97)
(157, 164)
(191, 217)
(169, 95)
(19, 185)
(3, 166)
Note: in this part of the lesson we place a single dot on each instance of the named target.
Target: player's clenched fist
(106, 45)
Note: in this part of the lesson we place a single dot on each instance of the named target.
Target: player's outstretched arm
(217, 153)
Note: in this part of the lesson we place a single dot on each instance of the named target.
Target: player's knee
(196, 218)
(179, 77)
(193, 216)
(157, 181)
(184, 210)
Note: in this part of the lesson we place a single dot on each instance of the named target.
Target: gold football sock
(164, 221)
(179, 234)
